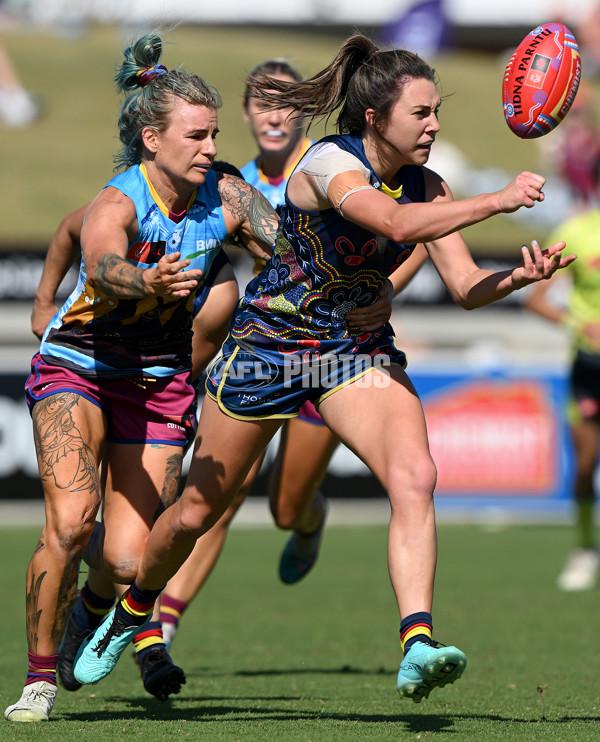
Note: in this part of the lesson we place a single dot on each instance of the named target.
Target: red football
(541, 80)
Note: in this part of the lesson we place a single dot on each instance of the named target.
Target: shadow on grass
(211, 710)
(343, 670)
(261, 709)
(204, 672)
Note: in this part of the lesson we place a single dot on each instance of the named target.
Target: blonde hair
(150, 103)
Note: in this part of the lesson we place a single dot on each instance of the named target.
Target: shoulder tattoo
(248, 206)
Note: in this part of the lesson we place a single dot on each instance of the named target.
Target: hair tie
(147, 75)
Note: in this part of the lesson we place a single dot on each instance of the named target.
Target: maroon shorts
(137, 410)
(308, 413)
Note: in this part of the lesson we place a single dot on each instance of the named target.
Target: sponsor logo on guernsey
(147, 252)
(204, 246)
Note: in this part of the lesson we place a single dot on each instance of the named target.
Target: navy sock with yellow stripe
(150, 637)
(418, 627)
(90, 609)
(136, 605)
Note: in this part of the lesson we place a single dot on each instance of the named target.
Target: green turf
(65, 158)
(318, 661)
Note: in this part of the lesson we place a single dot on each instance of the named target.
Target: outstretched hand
(524, 190)
(169, 277)
(539, 265)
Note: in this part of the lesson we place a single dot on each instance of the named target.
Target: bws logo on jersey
(204, 246)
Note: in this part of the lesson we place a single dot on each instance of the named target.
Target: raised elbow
(464, 301)
(398, 230)
(403, 236)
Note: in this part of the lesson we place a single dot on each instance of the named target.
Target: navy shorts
(254, 383)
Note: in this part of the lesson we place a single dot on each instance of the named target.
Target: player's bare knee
(70, 531)
(286, 519)
(123, 569)
(415, 483)
(192, 520)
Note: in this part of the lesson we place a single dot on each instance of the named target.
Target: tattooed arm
(110, 223)
(248, 212)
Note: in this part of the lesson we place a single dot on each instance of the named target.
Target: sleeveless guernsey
(100, 336)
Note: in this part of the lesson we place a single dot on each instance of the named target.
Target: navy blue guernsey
(322, 267)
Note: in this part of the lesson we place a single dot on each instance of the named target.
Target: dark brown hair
(360, 77)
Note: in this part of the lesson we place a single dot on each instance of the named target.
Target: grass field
(65, 158)
(318, 661)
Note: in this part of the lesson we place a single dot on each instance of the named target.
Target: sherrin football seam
(574, 75)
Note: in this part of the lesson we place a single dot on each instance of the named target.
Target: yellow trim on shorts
(231, 414)
(352, 380)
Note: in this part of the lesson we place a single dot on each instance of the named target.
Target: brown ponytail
(360, 77)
